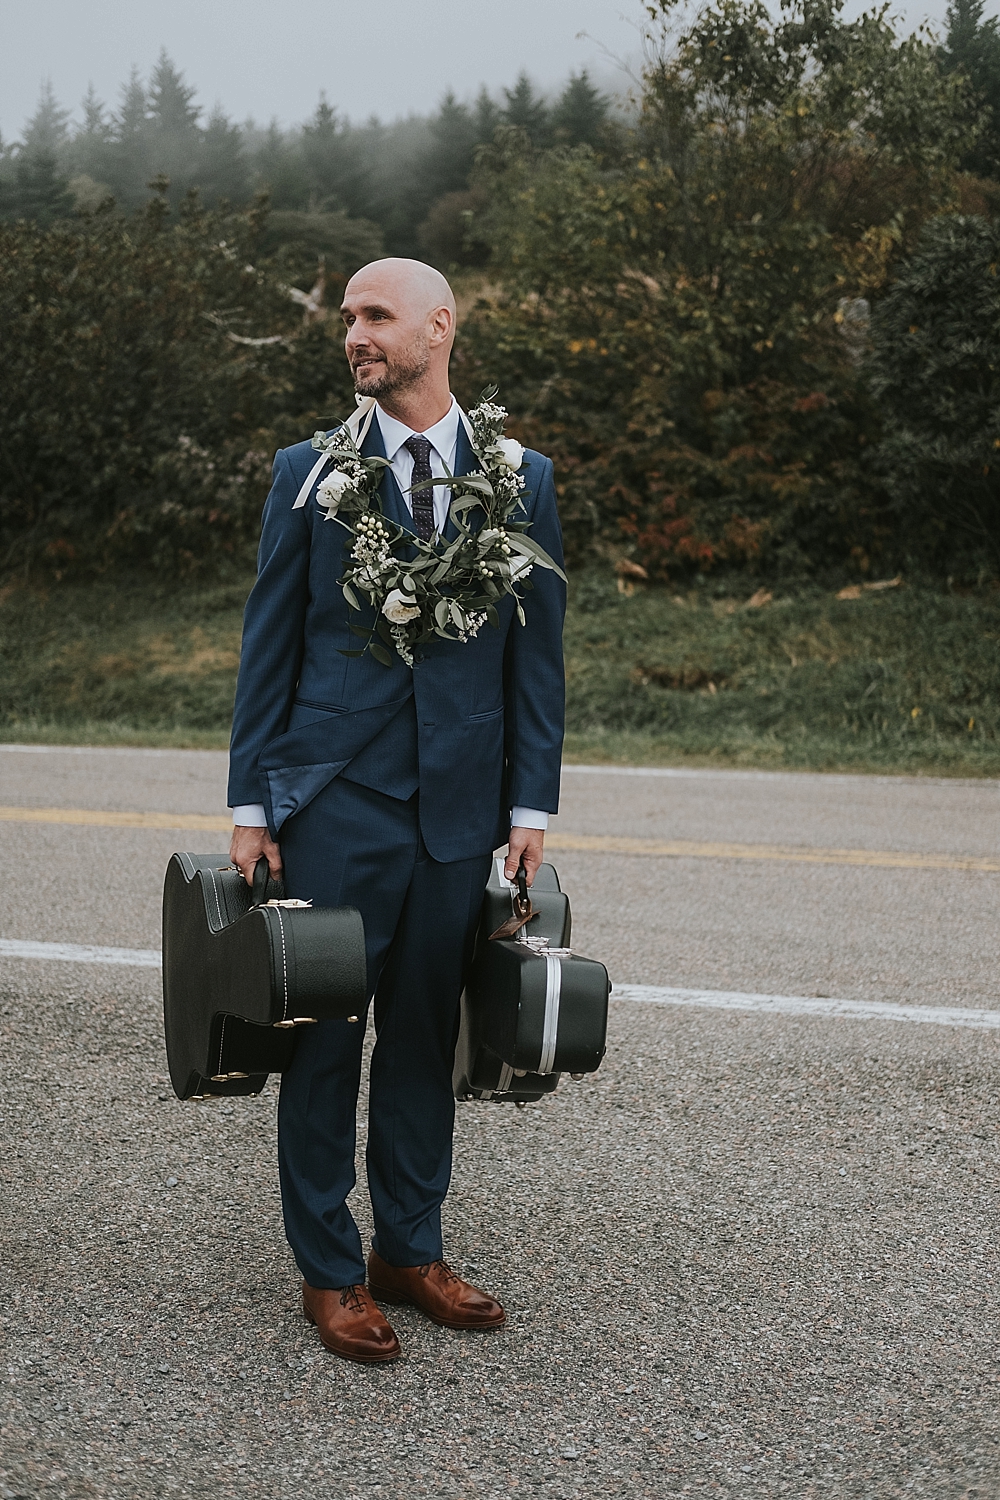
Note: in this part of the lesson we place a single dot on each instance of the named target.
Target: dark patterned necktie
(422, 503)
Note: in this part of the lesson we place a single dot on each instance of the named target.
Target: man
(388, 788)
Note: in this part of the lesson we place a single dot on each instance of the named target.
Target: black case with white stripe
(532, 1009)
(240, 977)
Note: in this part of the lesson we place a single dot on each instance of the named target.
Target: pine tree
(95, 121)
(454, 139)
(129, 157)
(972, 47)
(46, 133)
(38, 190)
(222, 168)
(171, 107)
(579, 113)
(280, 170)
(323, 155)
(488, 117)
(91, 153)
(525, 108)
(133, 116)
(173, 131)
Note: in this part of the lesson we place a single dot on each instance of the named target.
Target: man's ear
(442, 325)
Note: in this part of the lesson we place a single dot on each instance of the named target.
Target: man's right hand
(247, 846)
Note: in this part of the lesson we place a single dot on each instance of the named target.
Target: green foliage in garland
(936, 375)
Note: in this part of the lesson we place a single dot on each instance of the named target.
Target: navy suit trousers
(356, 847)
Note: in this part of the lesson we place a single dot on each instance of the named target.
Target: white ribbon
(357, 425)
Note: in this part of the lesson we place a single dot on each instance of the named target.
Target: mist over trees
(407, 181)
(755, 321)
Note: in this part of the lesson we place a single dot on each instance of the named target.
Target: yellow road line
(691, 849)
(92, 818)
(584, 843)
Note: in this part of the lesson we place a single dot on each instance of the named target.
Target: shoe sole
(357, 1359)
(398, 1300)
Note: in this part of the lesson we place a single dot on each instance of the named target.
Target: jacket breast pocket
(492, 713)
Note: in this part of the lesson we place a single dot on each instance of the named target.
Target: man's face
(387, 340)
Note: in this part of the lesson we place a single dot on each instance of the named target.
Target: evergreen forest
(751, 308)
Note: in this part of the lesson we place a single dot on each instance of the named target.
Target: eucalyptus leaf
(530, 548)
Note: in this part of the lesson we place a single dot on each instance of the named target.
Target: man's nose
(356, 337)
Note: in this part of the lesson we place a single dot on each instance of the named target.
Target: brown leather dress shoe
(437, 1291)
(350, 1324)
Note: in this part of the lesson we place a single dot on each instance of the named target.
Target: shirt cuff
(250, 815)
(528, 817)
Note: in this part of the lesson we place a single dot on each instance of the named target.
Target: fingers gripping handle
(523, 910)
(261, 878)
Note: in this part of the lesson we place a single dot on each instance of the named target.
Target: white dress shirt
(443, 438)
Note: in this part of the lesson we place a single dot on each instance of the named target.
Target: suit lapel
(394, 507)
(466, 462)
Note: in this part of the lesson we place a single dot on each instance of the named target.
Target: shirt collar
(443, 436)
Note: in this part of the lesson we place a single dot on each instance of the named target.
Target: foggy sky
(267, 59)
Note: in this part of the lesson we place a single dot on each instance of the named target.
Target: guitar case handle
(261, 881)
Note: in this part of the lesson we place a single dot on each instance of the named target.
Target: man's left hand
(525, 844)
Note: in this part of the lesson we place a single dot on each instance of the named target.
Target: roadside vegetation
(903, 679)
(752, 312)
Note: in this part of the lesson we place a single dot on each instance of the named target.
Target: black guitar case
(532, 1008)
(242, 970)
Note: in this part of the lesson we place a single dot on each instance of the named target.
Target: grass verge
(903, 681)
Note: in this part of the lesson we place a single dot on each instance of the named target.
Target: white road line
(800, 1005)
(80, 953)
(647, 994)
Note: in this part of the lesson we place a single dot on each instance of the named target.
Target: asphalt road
(756, 1255)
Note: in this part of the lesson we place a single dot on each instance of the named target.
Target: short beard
(407, 370)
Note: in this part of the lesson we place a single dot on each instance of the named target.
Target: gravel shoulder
(754, 1257)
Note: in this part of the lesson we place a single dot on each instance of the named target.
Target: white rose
(332, 490)
(399, 608)
(509, 453)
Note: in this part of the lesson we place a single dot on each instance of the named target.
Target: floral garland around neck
(421, 589)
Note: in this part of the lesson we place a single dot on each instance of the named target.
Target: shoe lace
(443, 1269)
(351, 1298)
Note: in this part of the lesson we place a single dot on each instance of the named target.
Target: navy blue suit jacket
(489, 713)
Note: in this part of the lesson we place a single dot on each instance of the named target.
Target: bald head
(421, 287)
(400, 317)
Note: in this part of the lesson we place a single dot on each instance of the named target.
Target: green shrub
(936, 374)
(665, 314)
(149, 365)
